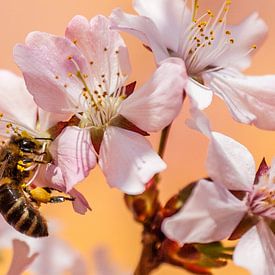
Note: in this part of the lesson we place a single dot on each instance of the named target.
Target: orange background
(110, 224)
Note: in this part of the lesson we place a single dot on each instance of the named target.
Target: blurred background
(109, 224)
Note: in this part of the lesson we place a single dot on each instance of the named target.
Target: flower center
(98, 103)
(262, 200)
(205, 40)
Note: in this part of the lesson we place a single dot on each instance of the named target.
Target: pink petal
(210, 214)
(170, 17)
(143, 28)
(73, 155)
(200, 96)
(20, 260)
(158, 102)
(251, 31)
(16, 103)
(128, 160)
(101, 46)
(256, 250)
(48, 120)
(250, 99)
(230, 163)
(80, 204)
(46, 66)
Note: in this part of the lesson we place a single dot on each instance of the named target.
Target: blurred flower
(104, 264)
(20, 260)
(212, 212)
(20, 115)
(50, 256)
(83, 74)
(214, 54)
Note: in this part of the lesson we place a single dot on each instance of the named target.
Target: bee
(19, 159)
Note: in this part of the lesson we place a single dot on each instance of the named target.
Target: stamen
(195, 9)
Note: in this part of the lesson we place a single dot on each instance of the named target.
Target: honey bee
(19, 159)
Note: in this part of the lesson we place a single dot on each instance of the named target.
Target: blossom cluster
(76, 98)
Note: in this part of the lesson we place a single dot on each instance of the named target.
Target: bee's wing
(3, 166)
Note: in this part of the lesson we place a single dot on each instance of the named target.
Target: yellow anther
(70, 74)
(69, 57)
(231, 41)
(254, 47)
(1, 115)
(75, 41)
(228, 32)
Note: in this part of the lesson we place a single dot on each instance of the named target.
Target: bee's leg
(58, 199)
(43, 195)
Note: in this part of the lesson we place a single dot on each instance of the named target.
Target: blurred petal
(104, 264)
(128, 160)
(101, 46)
(143, 28)
(245, 36)
(210, 214)
(16, 102)
(200, 96)
(256, 250)
(250, 99)
(55, 257)
(167, 15)
(230, 163)
(79, 267)
(46, 66)
(73, 156)
(20, 260)
(158, 102)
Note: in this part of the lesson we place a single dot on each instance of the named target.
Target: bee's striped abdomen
(20, 213)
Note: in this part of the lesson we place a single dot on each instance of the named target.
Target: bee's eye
(27, 145)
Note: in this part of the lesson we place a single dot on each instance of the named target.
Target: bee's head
(27, 145)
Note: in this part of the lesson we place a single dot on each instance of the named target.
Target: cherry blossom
(213, 51)
(213, 212)
(21, 116)
(50, 255)
(84, 74)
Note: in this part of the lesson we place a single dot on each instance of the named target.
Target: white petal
(230, 163)
(158, 102)
(256, 250)
(16, 102)
(128, 160)
(250, 99)
(170, 17)
(252, 31)
(200, 96)
(199, 122)
(143, 28)
(210, 214)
